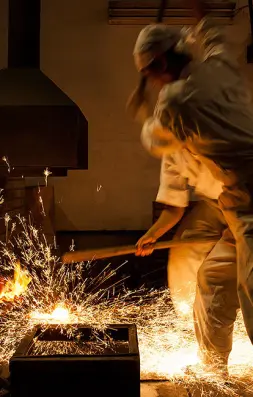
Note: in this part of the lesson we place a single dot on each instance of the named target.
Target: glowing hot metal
(60, 315)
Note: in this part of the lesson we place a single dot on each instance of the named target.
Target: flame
(17, 286)
(60, 315)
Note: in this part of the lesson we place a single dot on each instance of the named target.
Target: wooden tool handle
(101, 253)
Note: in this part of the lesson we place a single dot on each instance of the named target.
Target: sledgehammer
(102, 253)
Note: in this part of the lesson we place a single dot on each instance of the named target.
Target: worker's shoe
(215, 364)
(208, 371)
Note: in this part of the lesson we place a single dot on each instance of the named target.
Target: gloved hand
(144, 246)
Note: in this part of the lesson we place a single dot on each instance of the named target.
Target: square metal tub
(111, 373)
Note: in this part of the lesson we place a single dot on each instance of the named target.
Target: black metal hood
(40, 125)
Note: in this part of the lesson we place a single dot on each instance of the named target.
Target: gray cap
(152, 41)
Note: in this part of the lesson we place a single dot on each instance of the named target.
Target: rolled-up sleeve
(173, 188)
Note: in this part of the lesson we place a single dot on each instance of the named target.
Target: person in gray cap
(205, 109)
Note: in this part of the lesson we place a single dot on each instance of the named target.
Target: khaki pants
(236, 203)
(210, 270)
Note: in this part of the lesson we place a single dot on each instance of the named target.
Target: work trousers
(205, 277)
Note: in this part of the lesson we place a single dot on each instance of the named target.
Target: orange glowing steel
(60, 315)
(17, 286)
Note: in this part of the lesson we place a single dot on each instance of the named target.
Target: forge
(56, 362)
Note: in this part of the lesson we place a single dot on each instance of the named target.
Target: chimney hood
(40, 125)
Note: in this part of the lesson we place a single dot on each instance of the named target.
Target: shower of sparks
(46, 174)
(72, 246)
(42, 206)
(5, 159)
(1, 196)
(41, 203)
(55, 243)
(66, 295)
(6, 222)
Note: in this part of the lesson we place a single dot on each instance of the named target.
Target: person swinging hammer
(204, 113)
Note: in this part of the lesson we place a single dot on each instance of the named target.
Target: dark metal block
(113, 371)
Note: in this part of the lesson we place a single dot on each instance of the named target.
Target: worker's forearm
(168, 218)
